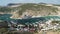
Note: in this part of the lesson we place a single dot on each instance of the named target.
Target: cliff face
(33, 10)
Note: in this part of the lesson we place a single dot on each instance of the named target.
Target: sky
(5, 2)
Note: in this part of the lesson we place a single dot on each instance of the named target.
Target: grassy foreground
(5, 31)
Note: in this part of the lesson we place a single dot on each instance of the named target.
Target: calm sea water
(31, 20)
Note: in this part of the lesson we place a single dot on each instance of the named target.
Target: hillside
(31, 9)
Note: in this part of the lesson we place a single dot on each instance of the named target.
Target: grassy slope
(30, 6)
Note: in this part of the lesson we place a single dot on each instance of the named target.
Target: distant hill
(40, 9)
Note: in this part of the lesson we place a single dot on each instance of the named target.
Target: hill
(32, 9)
